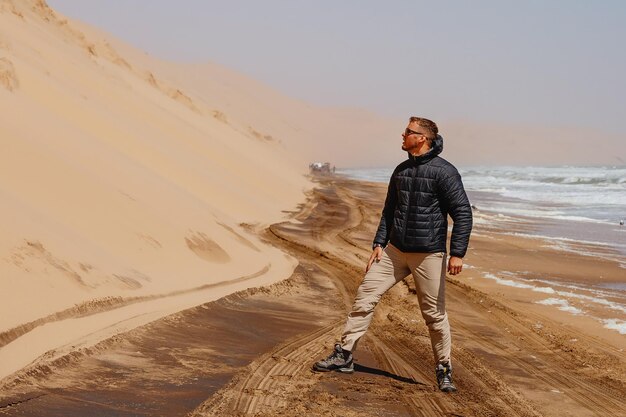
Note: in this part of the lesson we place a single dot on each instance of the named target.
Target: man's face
(413, 137)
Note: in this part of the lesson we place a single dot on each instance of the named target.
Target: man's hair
(431, 126)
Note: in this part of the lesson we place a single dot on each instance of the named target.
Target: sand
(133, 188)
(163, 253)
(123, 198)
(250, 353)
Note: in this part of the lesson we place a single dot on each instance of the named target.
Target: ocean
(564, 203)
(571, 208)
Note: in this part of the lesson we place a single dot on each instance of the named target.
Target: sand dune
(117, 185)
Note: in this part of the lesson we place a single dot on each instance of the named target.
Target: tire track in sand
(42, 359)
(477, 395)
(273, 372)
(268, 381)
(393, 356)
(544, 368)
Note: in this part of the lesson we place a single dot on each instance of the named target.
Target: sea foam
(615, 324)
(565, 295)
(562, 304)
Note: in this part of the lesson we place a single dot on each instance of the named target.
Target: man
(411, 239)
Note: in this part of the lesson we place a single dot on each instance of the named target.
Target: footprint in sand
(8, 76)
(207, 249)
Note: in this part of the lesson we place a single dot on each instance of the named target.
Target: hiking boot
(340, 360)
(444, 377)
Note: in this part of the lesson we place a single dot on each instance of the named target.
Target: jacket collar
(437, 148)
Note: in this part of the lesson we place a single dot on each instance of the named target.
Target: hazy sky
(552, 63)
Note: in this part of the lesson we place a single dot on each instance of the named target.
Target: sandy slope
(126, 180)
(116, 187)
(342, 136)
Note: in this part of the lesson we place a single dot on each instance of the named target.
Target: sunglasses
(409, 132)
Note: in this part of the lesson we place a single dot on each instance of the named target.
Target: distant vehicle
(322, 168)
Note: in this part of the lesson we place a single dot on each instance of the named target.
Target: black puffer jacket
(422, 191)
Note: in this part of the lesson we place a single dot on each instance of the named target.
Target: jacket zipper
(408, 209)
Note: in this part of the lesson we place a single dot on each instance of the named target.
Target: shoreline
(565, 219)
(589, 236)
(567, 275)
(252, 352)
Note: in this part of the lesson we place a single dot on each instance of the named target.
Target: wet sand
(250, 353)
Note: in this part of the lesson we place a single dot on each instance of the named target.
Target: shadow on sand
(375, 371)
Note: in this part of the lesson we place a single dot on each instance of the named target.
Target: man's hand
(455, 265)
(376, 255)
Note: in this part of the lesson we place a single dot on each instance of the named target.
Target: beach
(166, 251)
(250, 352)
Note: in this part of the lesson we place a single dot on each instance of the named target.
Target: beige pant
(428, 270)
